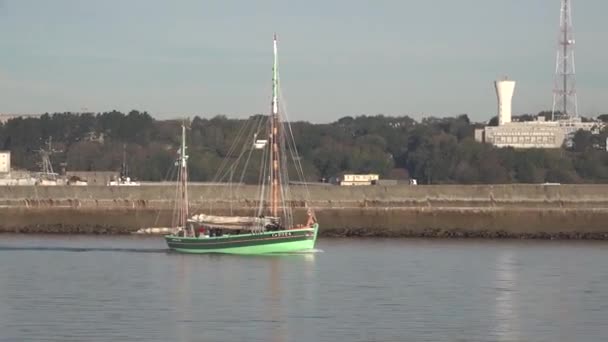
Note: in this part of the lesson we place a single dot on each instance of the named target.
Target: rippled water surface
(131, 289)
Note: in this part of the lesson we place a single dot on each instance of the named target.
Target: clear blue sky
(337, 57)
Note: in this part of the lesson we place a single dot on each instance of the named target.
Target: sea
(131, 288)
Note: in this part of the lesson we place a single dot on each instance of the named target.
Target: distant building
(14, 177)
(532, 134)
(353, 180)
(571, 126)
(529, 134)
(535, 134)
(5, 117)
(479, 134)
(5, 161)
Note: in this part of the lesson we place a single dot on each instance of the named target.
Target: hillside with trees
(433, 150)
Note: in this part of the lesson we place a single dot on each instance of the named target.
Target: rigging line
(262, 179)
(300, 170)
(175, 214)
(244, 169)
(219, 175)
(287, 213)
(287, 193)
(248, 157)
(176, 197)
(186, 204)
(182, 178)
(245, 145)
(186, 184)
(271, 173)
(281, 166)
(236, 142)
(284, 175)
(243, 132)
(233, 146)
(168, 176)
(257, 129)
(286, 189)
(296, 159)
(180, 212)
(294, 156)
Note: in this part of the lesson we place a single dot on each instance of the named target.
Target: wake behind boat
(271, 227)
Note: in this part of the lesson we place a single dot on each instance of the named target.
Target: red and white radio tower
(565, 104)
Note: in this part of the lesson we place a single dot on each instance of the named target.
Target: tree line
(431, 150)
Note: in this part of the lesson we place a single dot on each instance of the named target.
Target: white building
(352, 180)
(533, 134)
(528, 134)
(4, 117)
(5, 161)
(571, 126)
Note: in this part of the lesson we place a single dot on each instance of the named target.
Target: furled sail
(234, 222)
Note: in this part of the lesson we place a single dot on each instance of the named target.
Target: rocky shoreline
(565, 212)
(62, 229)
(464, 234)
(67, 229)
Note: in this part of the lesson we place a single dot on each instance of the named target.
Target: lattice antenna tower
(565, 104)
(45, 155)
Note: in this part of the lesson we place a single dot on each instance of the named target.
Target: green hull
(262, 243)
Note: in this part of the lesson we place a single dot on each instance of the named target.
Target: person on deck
(311, 218)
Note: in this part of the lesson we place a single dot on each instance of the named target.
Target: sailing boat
(123, 179)
(271, 228)
(47, 176)
(180, 210)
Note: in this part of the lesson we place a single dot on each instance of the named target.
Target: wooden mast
(275, 177)
(183, 169)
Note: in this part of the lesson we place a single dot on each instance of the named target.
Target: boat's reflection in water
(217, 294)
(274, 306)
(284, 285)
(183, 292)
(505, 282)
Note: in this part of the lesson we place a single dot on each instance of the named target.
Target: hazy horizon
(344, 58)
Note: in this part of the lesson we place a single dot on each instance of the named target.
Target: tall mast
(275, 176)
(123, 168)
(183, 168)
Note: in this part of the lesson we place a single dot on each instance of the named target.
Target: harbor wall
(528, 211)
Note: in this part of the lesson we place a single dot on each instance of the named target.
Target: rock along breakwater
(443, 211)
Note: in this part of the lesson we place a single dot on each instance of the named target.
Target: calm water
(131, 289)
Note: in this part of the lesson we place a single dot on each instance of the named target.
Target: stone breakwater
(442, 211)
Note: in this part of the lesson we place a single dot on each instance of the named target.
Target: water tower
(504, 94)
